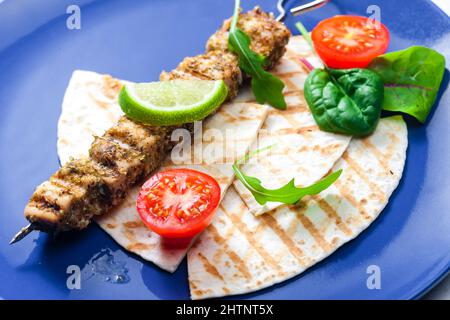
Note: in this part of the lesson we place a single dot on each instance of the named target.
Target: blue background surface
(135, 40)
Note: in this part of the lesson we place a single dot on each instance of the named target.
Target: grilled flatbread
(90, 107)
(301, 150)
(239, 252)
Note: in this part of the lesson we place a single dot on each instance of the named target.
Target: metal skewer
(23, 233)
(299, 9)
(308, 6)
(280, 7)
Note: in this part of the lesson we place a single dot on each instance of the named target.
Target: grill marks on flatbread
(283, 243)
(301, 150)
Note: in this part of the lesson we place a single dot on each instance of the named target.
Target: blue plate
(135, 40)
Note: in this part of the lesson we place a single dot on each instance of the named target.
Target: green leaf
(266, 87)
(237, 5)
(252, 154)
(288, 194)
(411, 78)
(301, 28)
(345, 101)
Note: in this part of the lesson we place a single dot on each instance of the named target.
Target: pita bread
(240, 253)
(301, 150)
(90, 107)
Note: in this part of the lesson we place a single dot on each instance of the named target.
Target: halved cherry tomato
(349, 41)
(178, 203)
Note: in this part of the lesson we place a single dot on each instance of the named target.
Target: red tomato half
(178, 203)
(349, 41)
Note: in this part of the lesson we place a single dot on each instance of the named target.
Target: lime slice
(171, 102)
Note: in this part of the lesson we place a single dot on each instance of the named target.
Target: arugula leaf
(288, 194)
(411, 78)
(266, 87)
(300, 27)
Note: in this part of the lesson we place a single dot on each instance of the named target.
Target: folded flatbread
(90, 107)
(240, 252)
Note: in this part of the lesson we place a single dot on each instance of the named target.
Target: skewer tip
(23, 233)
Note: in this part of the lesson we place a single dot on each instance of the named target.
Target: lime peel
(171, 102)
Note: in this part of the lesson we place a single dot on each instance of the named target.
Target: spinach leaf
(411, 78)
(266, 87)
(288, 194)
(345, 101)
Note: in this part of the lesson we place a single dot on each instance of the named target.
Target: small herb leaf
(301, 28)
(266, 87)
(288, 194)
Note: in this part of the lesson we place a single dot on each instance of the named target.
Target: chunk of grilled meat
(88, 187)
(268, 36)
(84, 188)
(213, 65)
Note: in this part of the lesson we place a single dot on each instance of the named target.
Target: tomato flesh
(178, 203)
(349, 41)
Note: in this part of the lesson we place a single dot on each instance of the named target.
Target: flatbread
(90, 107)
(300, 150)
(240, 253)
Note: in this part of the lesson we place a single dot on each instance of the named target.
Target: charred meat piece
(88, 187)
(119, 157)
(74, 194)
(69, 200)
(52, 199)
(213, 65)
(268, 36)
(142, 138)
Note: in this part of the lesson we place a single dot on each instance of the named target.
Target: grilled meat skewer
(129, 151)
(268, 38)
